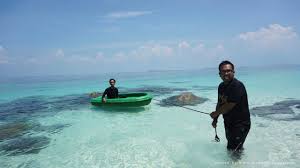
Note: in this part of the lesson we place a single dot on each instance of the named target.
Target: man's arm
(215, 120)
(225, 108)
(104, 94)
(217, 108)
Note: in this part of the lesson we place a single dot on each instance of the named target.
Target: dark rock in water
(29, 164)
(204, 88)
(25, 145)
(52, 129)
(18, 129)
(68, 102)
(279, 111)
(186, 98)
(298, 107)
(13, 130)
(155, 90)
(23, 107)
(32, 106)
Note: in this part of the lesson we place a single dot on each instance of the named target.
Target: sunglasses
(226, 71)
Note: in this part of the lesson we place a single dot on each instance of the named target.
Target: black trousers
(236, 134)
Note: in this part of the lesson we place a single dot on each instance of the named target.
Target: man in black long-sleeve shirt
(111, 92)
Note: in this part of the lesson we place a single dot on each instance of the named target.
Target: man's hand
(214, 114)
(103, 100)
(214, 123)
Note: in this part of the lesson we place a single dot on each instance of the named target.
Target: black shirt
(111, 92)
(234, 92)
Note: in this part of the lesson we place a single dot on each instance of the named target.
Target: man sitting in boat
(111, 92)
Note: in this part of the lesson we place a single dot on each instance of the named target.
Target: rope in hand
(217, 139)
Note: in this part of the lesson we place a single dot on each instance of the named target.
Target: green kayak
(125, 100)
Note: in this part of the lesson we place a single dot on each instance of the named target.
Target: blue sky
(40, 37)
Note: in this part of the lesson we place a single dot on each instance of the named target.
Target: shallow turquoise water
(153, 136)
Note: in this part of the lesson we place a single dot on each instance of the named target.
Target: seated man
(111, 92)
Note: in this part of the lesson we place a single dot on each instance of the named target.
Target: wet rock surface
(13, 130)
(33, 106)
(24, 145)
(204, 88)
(18, 137)
(155, 90)
(19, 131)
(279, 111)
(51, 129)
(186, 98)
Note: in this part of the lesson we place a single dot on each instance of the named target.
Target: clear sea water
(79, 135)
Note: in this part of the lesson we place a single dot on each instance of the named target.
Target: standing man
(233, 105)
(111, 92)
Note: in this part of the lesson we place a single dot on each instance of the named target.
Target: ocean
(47, 121)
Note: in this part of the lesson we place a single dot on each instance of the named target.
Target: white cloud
(220, 47)
(75, 58)
(273, 44)
(180, 55)
(99, 56)
(153, 50)
(198, 48)
(126, 14)
(160, 50)
(150, 55)
(183, 45)
(119, 57)
(60, 53)
(272, 36)
(3, 55)
(59, 57)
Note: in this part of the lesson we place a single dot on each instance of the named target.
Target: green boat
(125, 100)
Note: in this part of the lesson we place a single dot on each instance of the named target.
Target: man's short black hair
(225, 63)
(112, 79)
